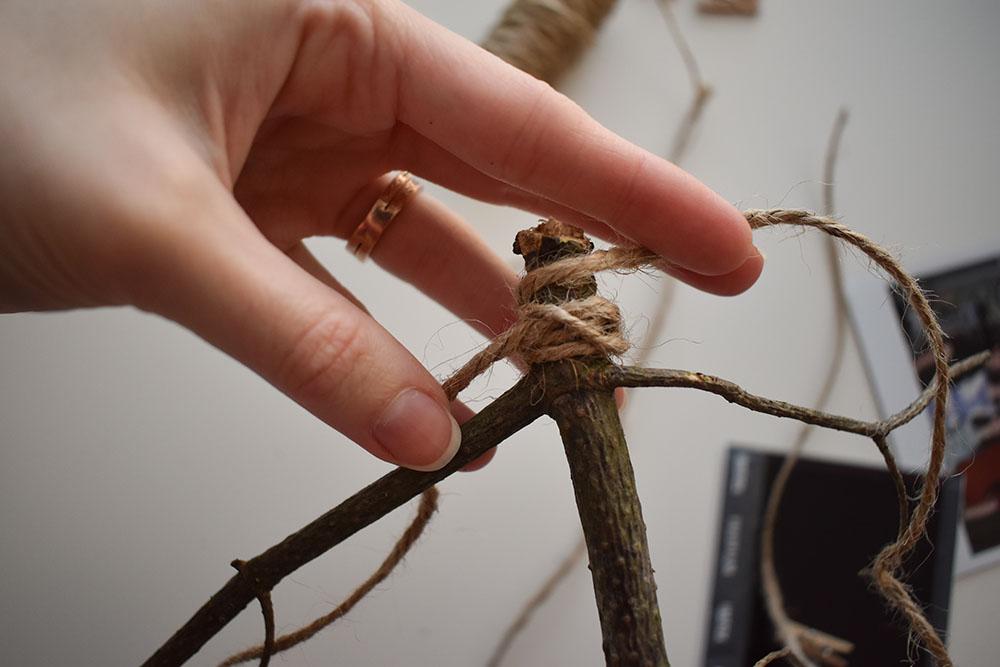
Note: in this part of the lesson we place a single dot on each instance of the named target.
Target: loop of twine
(592, 326)
(551, 332)
(575, 329)
(887, 567)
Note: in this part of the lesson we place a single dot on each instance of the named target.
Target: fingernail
(621, 398)
(418, 432)
(759, 253)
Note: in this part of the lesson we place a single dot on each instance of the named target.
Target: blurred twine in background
(545, 37)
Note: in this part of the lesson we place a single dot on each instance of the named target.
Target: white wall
(136, 462)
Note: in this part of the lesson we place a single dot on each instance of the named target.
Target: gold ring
(401, 190)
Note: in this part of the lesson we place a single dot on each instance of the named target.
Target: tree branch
(494, 424)
(631, 376)
(611, 515)
(603, 479)
(577, 393)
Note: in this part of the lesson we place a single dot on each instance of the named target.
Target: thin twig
(889, 561)
(550, 584)
(830, 161)
(491, 426)
(658, 319)
(772, 656)
(633, 376)
(428, 505)
(266, 608)
(702, 91)
(785, 628)
(898, 483)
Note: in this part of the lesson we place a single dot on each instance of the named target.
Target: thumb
(240, 293)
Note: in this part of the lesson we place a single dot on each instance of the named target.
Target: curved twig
(772, 656)
(541, 595)
(788, 630)
(632, 376)
(682, 139)
(516, 408)
(266, 608)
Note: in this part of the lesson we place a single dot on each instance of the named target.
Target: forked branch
(559, 388)
(494, 424)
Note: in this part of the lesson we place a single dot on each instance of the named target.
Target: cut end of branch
(551, 237)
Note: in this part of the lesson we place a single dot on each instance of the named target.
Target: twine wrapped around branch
(886, 569)
(550, 332)
(544, 37)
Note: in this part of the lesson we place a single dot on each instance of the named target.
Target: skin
(173, 156)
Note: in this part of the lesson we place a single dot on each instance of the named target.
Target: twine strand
(658, 319)
(885, 571)
(790, 632)
(551, 332)
(772, 656)
(541, 595)
(545, 37)
(426, 509)
(548, 332)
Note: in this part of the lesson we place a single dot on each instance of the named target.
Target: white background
(136, 461)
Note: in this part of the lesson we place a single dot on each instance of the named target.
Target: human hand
(173, 155)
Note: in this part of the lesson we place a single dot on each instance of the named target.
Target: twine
(790, 632)
(545, 332)
(544, 37)
(428, 505)
(658, 319)
(885, 571)
(592, 327)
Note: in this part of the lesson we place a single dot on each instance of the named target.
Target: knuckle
(529, 137)
(322, 358)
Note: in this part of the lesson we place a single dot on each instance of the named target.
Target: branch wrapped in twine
(887, 566)
(544, 37)
(550, 332)
(885, 570)
(682, 138)
(570, 331)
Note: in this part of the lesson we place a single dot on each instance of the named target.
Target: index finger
(519, 131)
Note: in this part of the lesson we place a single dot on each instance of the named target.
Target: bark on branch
(494, 424)
(578, 394)
(603, 479)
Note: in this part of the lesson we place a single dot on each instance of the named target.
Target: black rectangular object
(833, 521)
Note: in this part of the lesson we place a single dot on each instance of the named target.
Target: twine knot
(544, 332)
(580, 328)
